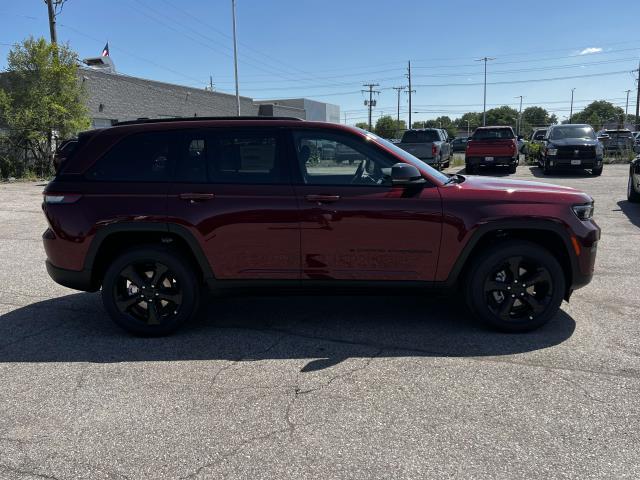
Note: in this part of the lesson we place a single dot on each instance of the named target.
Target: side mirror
(404, 174)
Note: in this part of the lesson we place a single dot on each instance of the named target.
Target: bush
(532, 153)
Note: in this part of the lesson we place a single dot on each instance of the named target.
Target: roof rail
(192, 119)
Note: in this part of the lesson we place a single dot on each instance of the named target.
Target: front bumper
(76, 279)
(555, 162)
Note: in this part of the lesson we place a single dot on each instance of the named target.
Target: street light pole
(626, 109)
(571, 109)
(484, 107)
(519, 125)
(235, 56)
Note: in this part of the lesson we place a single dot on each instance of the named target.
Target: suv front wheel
(151, 290)
(516, 286)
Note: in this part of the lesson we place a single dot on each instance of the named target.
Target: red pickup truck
(489, 146)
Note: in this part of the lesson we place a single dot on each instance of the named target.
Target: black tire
(596, 172)
(471, 169)
(632, 195)
(493, 278)
(144, 274)
(513, 167)
(546, 169)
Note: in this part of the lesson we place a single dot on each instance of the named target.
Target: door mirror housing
(405, 174)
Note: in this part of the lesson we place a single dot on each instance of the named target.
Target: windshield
(493, 134)
(572, 132)
(408, 157)
(420, 136)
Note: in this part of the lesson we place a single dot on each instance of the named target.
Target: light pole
(235, 56)
(571, 109)
(626, 109)
(484, 107)
(468, 129)
(519, 123)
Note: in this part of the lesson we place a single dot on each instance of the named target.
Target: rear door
(233, 192)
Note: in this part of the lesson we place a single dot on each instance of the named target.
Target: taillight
(434, 150)
(60, 198)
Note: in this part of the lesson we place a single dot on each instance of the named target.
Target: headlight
(552, 151)
(583, 212)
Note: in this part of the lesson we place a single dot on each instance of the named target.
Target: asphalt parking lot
(321, 387)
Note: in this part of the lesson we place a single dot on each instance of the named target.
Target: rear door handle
(322, 198)
(196, 197)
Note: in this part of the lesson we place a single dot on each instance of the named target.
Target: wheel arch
(114, 239)
(550, 235)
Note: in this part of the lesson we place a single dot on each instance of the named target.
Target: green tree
(504, 115)
(533, 117)
(474, 119)
(41, 101)
(388, 127)
(363, 125)
(599, 113)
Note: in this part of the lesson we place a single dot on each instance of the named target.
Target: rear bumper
(78, 280)
(475, 160)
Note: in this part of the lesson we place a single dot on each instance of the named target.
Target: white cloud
(589, 50)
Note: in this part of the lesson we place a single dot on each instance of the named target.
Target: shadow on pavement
(567, 173)
(326, 330)
(631, 210)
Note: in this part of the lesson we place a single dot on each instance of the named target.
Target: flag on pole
(105, 50)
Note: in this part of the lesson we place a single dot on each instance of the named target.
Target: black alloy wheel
(515, 286)
(151, 290)
(519, 289)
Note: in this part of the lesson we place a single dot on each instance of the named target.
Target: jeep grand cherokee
(153, 211)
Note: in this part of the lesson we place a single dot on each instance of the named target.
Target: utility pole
(235, 56)
(638, 101)
(484, 108)
(345, 118)
(52, 21)
(399, 90)
(371, 102)
(519, 122)
(468, 129)
(571, 109)
(626, 109)
(410, 91)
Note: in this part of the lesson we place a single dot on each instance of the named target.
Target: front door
(233, 192)
(354, 224)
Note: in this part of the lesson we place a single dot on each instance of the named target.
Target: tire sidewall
(494, 256)
(178, 266)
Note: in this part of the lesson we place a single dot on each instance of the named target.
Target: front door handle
(322, 198)
(196, 197)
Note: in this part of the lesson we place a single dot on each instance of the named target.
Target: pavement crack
(22, 471)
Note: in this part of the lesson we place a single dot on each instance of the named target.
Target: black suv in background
(572, 146)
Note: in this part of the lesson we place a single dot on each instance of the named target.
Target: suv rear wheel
(151, 290)
(516, 287)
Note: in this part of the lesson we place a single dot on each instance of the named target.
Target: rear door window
(243, 157)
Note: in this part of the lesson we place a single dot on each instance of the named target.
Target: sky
(326, 50)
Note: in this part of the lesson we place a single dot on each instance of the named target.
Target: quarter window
(141, 157)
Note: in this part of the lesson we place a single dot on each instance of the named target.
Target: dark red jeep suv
(154, 210)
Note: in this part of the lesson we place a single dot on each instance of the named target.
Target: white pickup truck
(429, 144)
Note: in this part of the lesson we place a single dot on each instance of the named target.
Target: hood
(518, 188)
(572, 142)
